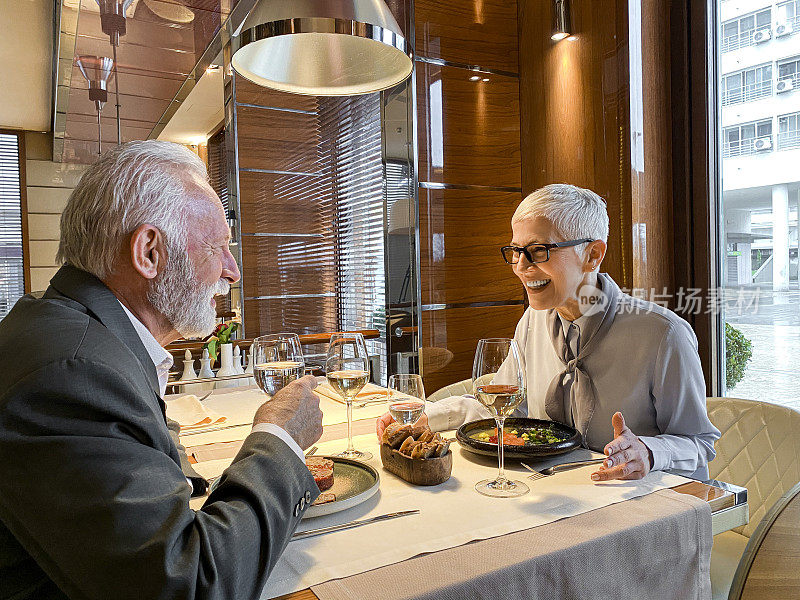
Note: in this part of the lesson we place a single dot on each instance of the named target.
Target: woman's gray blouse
(645, 365)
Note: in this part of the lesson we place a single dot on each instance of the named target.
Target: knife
(351, 524)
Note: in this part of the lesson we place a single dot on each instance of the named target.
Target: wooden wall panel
(278, 203)
(574, 108)
(248, 92)
(449, 338)
(278, 140)
(470, 131)
(459, 251)
(469, 143)
(482, 33)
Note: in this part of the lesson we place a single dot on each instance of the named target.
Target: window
(789, 131)
(747, 138)
(788, 17)
(747, 85)
(740, 32)
(12, 274)
(789, 70)
(756, 221)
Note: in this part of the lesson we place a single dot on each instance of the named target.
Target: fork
(557, 468)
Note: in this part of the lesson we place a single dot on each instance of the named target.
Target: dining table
(568, 537)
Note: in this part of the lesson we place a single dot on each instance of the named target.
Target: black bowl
(571, 441)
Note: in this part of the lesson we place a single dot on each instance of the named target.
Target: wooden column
(574, 111)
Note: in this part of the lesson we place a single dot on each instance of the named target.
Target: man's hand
(295, 408)
(384, 420)
(628, 457)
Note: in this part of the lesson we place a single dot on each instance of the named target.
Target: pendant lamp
(322, 47)
(97, 71)
(114, 24)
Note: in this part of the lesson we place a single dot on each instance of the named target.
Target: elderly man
(93, 501)
(592, 354)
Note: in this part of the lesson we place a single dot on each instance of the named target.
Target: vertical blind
(352, 128)
(12, 278)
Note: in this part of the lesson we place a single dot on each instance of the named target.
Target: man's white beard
(185, 303)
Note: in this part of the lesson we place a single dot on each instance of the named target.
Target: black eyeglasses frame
(524, 250)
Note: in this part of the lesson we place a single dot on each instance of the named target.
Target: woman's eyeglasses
(536, 253)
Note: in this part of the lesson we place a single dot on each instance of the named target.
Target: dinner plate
(464, 435)
(353, 483)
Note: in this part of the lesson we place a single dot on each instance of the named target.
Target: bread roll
(407, 445)
(398, 436)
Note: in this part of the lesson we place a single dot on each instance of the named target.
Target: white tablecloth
(240, 404)
(452, 514)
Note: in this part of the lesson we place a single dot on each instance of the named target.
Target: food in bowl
(522, 436)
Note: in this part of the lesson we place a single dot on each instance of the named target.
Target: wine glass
(406, 398)
(277, 361)
(347, 370)
(498, 383)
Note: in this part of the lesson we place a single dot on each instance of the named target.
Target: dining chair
(769, 567)
(758, 449)
(459, 388)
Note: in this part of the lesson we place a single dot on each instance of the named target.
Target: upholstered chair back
(759, 449)
(458, 388)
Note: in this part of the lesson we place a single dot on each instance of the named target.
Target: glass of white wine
(347, 370)
(277, 361)
(498, 383)
(406, 398)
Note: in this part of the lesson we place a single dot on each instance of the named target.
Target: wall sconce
(562, 20)
(322, 48)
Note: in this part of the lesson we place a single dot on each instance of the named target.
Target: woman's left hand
(628, 457)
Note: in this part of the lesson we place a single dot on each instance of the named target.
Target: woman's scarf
(581, 393)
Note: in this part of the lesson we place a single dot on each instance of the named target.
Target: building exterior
(759, 85)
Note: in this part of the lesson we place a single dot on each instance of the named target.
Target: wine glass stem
(349, 403)
(501, 475)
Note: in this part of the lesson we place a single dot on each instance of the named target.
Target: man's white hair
(133, 184)
(575, 212)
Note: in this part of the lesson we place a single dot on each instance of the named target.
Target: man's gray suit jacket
(93, 502)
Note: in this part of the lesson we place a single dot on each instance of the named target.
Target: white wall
(49, 185)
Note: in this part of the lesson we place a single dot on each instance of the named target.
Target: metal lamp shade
(322, 48)
(97, 71)
(170, 11)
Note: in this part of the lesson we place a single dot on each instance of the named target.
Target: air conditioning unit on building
(762, 143)
(784, 85)
(762, 35)
(782, 29)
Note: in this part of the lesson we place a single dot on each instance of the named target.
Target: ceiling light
(113, 14)
(485, 79)
(170, 11)
(97, 71)
(562, 20)
(474, 78)
(322, 48)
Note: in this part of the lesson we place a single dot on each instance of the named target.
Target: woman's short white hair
(575, 212)
(133, 184)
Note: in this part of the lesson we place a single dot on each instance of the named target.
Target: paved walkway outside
(772, 324)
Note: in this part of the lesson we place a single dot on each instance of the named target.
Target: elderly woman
(592, 353)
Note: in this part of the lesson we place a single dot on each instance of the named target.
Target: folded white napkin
(192, 414)
(368, 392)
